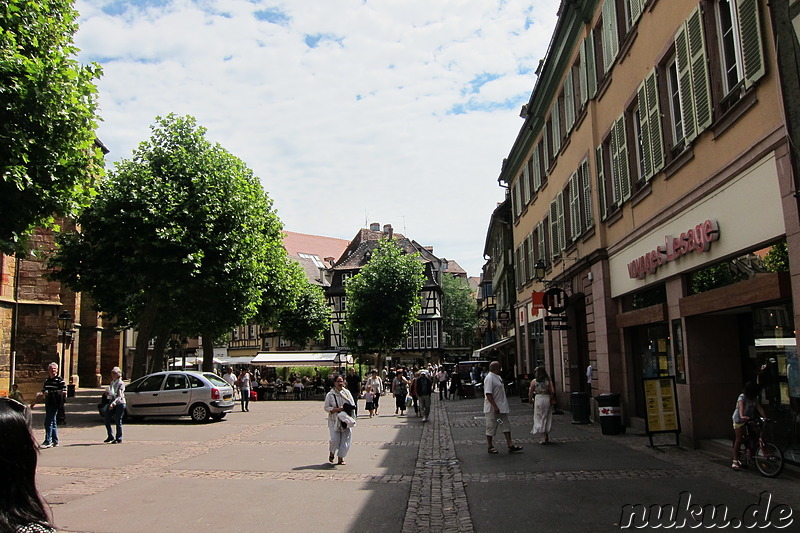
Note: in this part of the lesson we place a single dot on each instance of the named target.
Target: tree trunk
(144, 334)
(208, 352)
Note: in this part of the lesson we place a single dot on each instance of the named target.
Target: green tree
(49, 160)
(383, 300)
(459, 309)
(777, 259)
(307, 317)
(181, 237)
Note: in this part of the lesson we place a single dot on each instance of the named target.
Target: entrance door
(650, 358)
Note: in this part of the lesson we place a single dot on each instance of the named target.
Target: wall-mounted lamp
(539, 270)
(590, 277)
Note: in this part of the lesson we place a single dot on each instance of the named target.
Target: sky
(349, 111)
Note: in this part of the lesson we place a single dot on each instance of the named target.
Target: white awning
(280, 359)
(492, 346)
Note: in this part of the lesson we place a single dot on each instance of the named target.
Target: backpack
(424, 385)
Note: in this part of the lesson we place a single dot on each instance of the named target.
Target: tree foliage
(777, 259)
(383, 299)
(182, 236)
(48, 157)
(459, 309)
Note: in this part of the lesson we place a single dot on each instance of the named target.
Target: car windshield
(215, 380)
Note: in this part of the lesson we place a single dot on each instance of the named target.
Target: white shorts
(495, 421)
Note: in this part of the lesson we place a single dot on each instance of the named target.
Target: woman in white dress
(539, 395)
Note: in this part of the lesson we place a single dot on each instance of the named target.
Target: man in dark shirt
(354, 386)
(53, 393)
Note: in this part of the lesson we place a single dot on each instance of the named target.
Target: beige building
(651, 178)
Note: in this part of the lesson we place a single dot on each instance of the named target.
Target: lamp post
(65, 336)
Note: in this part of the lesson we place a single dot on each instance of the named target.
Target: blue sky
(350, 111)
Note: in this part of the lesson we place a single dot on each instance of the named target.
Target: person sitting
(297, 387)
(21, 506)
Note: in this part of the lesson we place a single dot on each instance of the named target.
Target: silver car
(200, 395)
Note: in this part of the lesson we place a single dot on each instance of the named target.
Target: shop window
(725, 273)
(645, 298)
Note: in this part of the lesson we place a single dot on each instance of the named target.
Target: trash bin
(610, 414)
(71, 390)
(579, 402)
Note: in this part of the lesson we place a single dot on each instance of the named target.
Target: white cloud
(358, 128)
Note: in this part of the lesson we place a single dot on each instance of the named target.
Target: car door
(175, 396)
(142, 396)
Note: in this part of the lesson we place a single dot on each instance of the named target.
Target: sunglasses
(14, 404)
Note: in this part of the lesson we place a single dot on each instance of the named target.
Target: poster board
(661, 405)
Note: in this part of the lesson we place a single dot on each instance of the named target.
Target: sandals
(341, 461)
(492, 450)
(330, 458)
(512, 449)
(736, 466)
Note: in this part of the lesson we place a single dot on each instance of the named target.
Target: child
(369, 397)
(345, 417)
(16, 394)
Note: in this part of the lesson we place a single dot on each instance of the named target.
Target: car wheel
(199, 412)
(218, 417)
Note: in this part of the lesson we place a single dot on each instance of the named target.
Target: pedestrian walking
(115, 409)
(377, 388)
(442, 377)
(424, 386)
(400, 391)
(21, 507)
(496, 408)
(53, 394)
(230, 379)
(335, 402)
(542, 396)
(244, 388)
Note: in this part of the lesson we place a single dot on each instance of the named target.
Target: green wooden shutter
(636, 11)
(610, 34)
(582, 74)
(537, 169)
(556, 123)
(569, 102)
(588, 216)
(591, 66)
(601, 183)
(562, 227)
(575, 193)
(622, 159)
(682, 60)
(751, 39)
(555, 249)
(517, 199)
(644, 131)
(526, 185)
(701, 89)
(654, 122)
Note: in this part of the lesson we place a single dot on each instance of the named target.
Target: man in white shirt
(230, 378)
(495, 408)
(441, 377)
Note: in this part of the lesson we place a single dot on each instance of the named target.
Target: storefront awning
(486, 349)
(280, 359)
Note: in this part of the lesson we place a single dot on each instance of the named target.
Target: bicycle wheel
(769, 459)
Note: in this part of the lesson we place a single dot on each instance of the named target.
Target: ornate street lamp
(65, 336)
(539, 270)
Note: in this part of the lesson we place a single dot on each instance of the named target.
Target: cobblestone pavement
(402, 475)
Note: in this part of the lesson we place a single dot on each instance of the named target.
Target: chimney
(375, 226)
(428, 248)
(388, 230)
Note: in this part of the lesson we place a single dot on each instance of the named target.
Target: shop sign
(697, 239)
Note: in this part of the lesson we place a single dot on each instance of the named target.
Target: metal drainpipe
(14, 323)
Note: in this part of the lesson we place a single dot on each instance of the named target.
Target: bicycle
(768, 457)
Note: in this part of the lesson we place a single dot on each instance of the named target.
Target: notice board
(661, 401)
